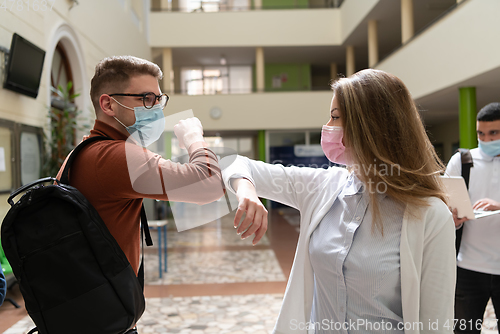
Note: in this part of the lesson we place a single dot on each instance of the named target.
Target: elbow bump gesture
(255, 220)
(188, 131)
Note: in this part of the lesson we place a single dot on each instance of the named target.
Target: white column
(350, 60)
(168, 71)
(372, 43)
(259, 69)
(257, 4)
(407, 28)
(334, 72)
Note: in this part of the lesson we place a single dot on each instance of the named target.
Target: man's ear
(105, 104)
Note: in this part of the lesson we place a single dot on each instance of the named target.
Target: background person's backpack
(467, 164)
(72, 273)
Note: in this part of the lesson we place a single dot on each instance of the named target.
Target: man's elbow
(212, 190)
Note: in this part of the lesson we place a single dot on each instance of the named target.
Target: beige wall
(246, 28)
(260, 28)
(90, 31)
(258, 111)
(467, 36)
(352, 13)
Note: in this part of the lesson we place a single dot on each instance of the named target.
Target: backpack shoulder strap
(74, 153)
(467, 164)
(145, 234)
(144, 220)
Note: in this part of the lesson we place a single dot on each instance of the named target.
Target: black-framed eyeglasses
(149, 99)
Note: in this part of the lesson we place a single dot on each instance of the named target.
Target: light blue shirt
(357, 279)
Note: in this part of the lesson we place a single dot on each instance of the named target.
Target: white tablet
(459, 198)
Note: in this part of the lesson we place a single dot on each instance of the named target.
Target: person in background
(478, 260)
(376, 251)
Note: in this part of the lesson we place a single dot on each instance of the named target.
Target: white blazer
(427, 247)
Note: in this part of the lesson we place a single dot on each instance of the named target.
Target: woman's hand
(255, 213)
(487, 204)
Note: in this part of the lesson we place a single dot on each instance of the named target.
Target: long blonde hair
(383, 130)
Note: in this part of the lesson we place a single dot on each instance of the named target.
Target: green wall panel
(287, 77)
(276, 4)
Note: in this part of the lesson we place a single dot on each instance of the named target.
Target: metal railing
(224, 6)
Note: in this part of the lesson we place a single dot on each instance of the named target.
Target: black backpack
(72, 273)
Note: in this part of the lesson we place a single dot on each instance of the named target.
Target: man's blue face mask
(149, 124)
(491, 148)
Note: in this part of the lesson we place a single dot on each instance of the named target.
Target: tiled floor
(209, 236)
(216, 282)
(216, 267)
(212, 314)
(196, 315)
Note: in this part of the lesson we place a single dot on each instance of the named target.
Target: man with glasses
(115, 175)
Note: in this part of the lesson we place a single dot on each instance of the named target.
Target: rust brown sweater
(115, 175)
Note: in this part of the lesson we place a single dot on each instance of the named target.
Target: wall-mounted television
(24, 68)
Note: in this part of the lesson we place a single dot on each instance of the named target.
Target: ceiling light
(223, 60)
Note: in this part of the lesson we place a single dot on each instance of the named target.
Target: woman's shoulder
(332, 172)
(331, 178)
(436, 216)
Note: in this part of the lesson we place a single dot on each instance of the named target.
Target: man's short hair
(112, 75)
(489, 113)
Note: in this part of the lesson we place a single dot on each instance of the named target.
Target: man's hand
(458, 221)
(487, 204)
(188, 131)
(255, 213)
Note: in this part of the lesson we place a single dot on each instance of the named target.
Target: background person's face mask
(149, 124)
(491, 148)
(331, 143)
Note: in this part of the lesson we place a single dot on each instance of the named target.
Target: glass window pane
(240, 79)
(192, 81)
(315, 138)
(211, 6)
(231, 143)
(246, 145)
(287, 139)
(5, 159)
(211, 80)
(4, 206)
(30, 157)
(241, 4)
(215, 79)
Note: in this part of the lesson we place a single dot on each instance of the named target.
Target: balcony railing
(228, 6)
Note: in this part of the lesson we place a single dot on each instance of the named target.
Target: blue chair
(3, 286)
(161, 227)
